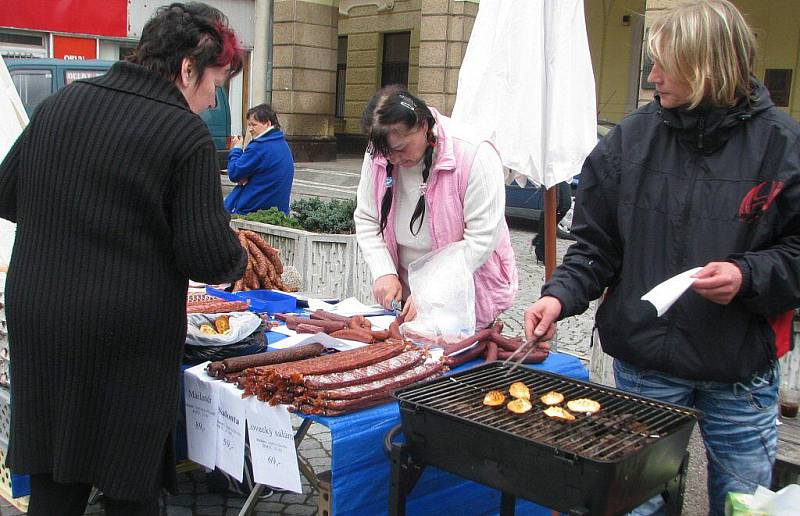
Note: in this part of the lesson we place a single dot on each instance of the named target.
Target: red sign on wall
(98, 17)
(67, 47)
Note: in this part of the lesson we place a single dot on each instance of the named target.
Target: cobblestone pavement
(194, 497)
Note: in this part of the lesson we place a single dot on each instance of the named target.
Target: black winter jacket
(672, 189)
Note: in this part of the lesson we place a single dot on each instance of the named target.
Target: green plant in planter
(334, 216)
(272, 216)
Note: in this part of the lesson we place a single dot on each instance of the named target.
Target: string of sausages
(264, 267)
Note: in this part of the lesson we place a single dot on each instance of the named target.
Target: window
(33, 86)
(20, 39)
(73, 75)
(395, 58)
(779, 84)
(647, 64)
(341, 75)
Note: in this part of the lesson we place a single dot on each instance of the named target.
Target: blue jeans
(738, 426)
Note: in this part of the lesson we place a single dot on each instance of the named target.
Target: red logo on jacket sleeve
(758, 200)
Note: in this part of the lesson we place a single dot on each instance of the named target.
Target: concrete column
(304, 75)
(261, 56)
(445, 26)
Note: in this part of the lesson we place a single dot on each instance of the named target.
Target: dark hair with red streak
(194, 30)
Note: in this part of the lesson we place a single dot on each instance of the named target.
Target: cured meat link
(382, 385)
(469, 341)
(237, 364)
(216, 307)
(356, 334)
(466, 356)
(508, 344)
(375, 371)
(327, 316)
(342, 361)
(536, 357)
(491, 352)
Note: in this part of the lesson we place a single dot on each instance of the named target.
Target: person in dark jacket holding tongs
(707, 175)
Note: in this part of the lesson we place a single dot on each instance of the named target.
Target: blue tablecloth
(360, 469)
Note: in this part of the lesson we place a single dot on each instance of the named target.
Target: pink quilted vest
(495, 280)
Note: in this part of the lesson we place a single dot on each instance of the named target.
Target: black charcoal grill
(606, 463)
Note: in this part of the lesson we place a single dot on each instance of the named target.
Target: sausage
(466, 356)
(537, 356)
(260, 261)
(308, 328)
(292, 321)
(216, 307)
(270, 252)
(327, 326)
(394, 330)
(357, 334)
(237, 364)
(469, 341)
(384, 369)
(322, 314)
(215, 369)
(359, 321)
(491, 352)
(508, 344)
(379, 335)
(381, 386)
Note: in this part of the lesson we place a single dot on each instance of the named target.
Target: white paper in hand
(663, 295)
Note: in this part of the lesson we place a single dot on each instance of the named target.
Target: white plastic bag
(444, 295)
(242, 325)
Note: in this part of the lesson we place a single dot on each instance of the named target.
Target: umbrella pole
(549, 232)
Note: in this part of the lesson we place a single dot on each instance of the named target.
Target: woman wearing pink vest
(426, 182)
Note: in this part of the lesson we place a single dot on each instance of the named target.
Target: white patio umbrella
(527, 82)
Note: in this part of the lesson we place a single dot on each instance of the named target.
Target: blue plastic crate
(260, 300)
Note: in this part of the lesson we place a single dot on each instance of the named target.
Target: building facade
(318, 61)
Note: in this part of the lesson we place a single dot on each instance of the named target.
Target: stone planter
(330, 265)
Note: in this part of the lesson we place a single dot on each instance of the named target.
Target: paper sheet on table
(381, 322)
(348, 307)
(284, 330)
(230, 431)
(200, 392)
(299, 339)
(272, 446)
(663, 295)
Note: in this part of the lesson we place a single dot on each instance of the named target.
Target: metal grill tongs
(528, 346)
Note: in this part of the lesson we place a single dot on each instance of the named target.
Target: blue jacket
(268, 167)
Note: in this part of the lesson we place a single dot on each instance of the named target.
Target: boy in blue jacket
(265, 170)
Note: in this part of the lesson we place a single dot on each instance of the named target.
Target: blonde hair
(707, 44)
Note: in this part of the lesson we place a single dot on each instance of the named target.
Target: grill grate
(624, 425)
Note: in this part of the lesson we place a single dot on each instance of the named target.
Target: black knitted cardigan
(116, 195)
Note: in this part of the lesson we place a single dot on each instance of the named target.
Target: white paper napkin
(347, 307)
(663, 295)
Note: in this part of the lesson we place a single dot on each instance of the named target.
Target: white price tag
(230, 431)
(201, 396)
(272, 446)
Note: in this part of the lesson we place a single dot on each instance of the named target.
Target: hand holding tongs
(530, 345)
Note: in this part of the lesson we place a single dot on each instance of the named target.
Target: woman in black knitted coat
(115, 191)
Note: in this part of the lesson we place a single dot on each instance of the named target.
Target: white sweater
(484, 209)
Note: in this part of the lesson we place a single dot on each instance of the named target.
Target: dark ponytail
(386, 202)
(419, 211)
